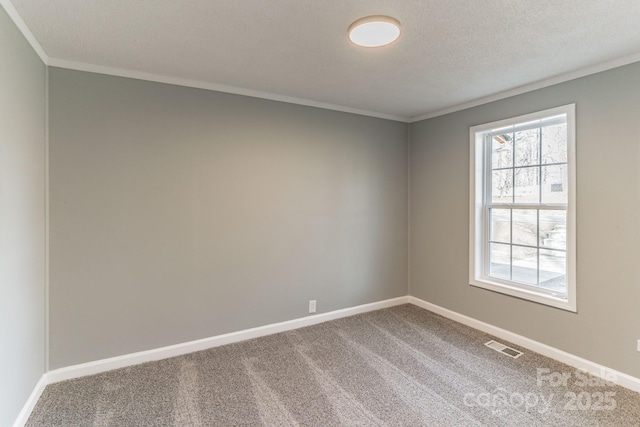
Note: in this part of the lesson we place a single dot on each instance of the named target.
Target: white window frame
(479, 223)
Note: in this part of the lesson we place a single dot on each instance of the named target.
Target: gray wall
(22, 219)
(178, 213)
(607, 325)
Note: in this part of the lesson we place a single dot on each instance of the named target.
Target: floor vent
(511, 352)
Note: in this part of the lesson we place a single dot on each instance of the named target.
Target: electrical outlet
(312, 306)
(638, 345)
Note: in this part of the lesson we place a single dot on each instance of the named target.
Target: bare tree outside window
(522, 211)
(528, 243)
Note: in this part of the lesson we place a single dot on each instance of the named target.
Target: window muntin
(522, 218)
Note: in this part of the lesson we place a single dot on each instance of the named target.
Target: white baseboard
(24, 414)
(593, 368)
(103, 365)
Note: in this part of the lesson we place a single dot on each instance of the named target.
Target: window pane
(525, 265)
(525, 227)
(527, 147)
(501, 225)
(553, 270)
(554, 144)
(553, 229)
(501, 151)
(554, 184)
(499, 261)
(502, 186)
(522, 229)
(527, 189)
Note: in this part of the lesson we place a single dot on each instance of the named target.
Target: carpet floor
(402, 366)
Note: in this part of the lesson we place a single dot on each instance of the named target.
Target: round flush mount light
(374, 31)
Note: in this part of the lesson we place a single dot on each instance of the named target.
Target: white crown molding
(604, 66)
(103, 365)
(140, 75)
(26, 32)
(608, 374)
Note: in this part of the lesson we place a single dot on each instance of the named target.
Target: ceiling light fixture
(374, 31)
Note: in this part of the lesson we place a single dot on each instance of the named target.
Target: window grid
(541, 234)
(513, 205)
(530, 166)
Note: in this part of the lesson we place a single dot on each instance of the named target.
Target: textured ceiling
(451, 52)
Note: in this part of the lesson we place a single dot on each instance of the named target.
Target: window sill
(526, 294)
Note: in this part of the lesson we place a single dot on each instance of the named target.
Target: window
(522, 219)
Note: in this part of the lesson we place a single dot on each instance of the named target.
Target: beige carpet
(402, 366)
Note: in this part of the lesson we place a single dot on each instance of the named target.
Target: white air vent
(511, 352)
